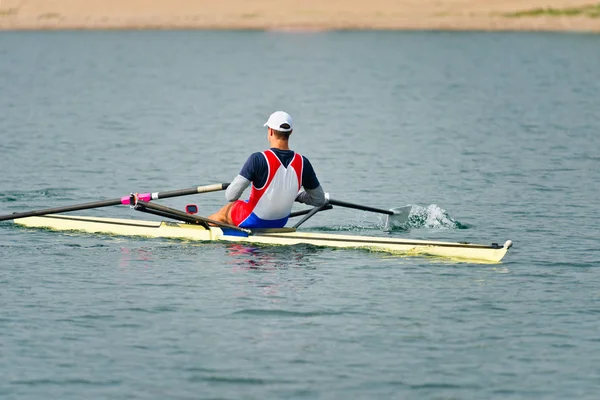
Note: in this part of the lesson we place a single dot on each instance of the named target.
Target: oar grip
(126, 200)
(212, 188)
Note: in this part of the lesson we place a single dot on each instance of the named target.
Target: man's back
(276, 175)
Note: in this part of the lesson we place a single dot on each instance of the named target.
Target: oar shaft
(56, 210)
(176, 214)
(304, 212)
(311, 213)
(359, 207)
(191, 219)
(176, 193)
(114, 202)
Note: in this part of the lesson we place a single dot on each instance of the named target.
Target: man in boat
(276, 175)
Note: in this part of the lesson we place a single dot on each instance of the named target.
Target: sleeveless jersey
(270, 205)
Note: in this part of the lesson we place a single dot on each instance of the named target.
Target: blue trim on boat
(233, 232)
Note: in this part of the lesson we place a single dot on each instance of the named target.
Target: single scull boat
(192, 227)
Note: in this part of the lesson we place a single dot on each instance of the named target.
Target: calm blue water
(494, 133)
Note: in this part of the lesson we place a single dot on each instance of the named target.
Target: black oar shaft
(310, 214)
(185, 217)
(56, 210)
(360, 207)
(114, 202)
(191, 219)
(304, 212)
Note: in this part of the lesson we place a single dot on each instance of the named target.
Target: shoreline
(307, 16)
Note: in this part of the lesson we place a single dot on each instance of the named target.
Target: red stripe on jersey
(298, 164)
(273, 164)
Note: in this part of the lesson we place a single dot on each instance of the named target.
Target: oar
(304, 212)
(176, 214)
(395, 216)
(312, 212)
(360, 207)
(122, 200)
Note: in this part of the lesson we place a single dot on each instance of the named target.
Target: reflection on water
(249, 257)
(135, 255)
(240, 256)
(271, 274)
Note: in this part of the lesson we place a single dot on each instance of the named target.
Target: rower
(277, 176)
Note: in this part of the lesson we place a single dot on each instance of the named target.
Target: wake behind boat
(191, 227)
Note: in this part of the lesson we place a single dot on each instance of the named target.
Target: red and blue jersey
(276, 176)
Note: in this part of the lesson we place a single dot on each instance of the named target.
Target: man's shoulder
(255, 165)
(306, 161)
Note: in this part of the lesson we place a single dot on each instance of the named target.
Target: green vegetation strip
(592, 11)
(5, 12)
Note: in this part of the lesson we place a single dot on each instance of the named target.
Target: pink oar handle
(143, 196)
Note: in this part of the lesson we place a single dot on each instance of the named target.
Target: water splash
(432, 217)
(429, 217)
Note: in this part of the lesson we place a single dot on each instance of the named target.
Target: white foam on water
(429, 217)
(432, 217)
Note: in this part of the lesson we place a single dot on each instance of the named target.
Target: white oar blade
(399, 219)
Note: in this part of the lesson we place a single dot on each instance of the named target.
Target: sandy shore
(303, 15)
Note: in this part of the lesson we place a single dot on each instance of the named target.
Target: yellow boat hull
(157, 229)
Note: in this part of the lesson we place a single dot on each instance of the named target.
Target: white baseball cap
(279, 118)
